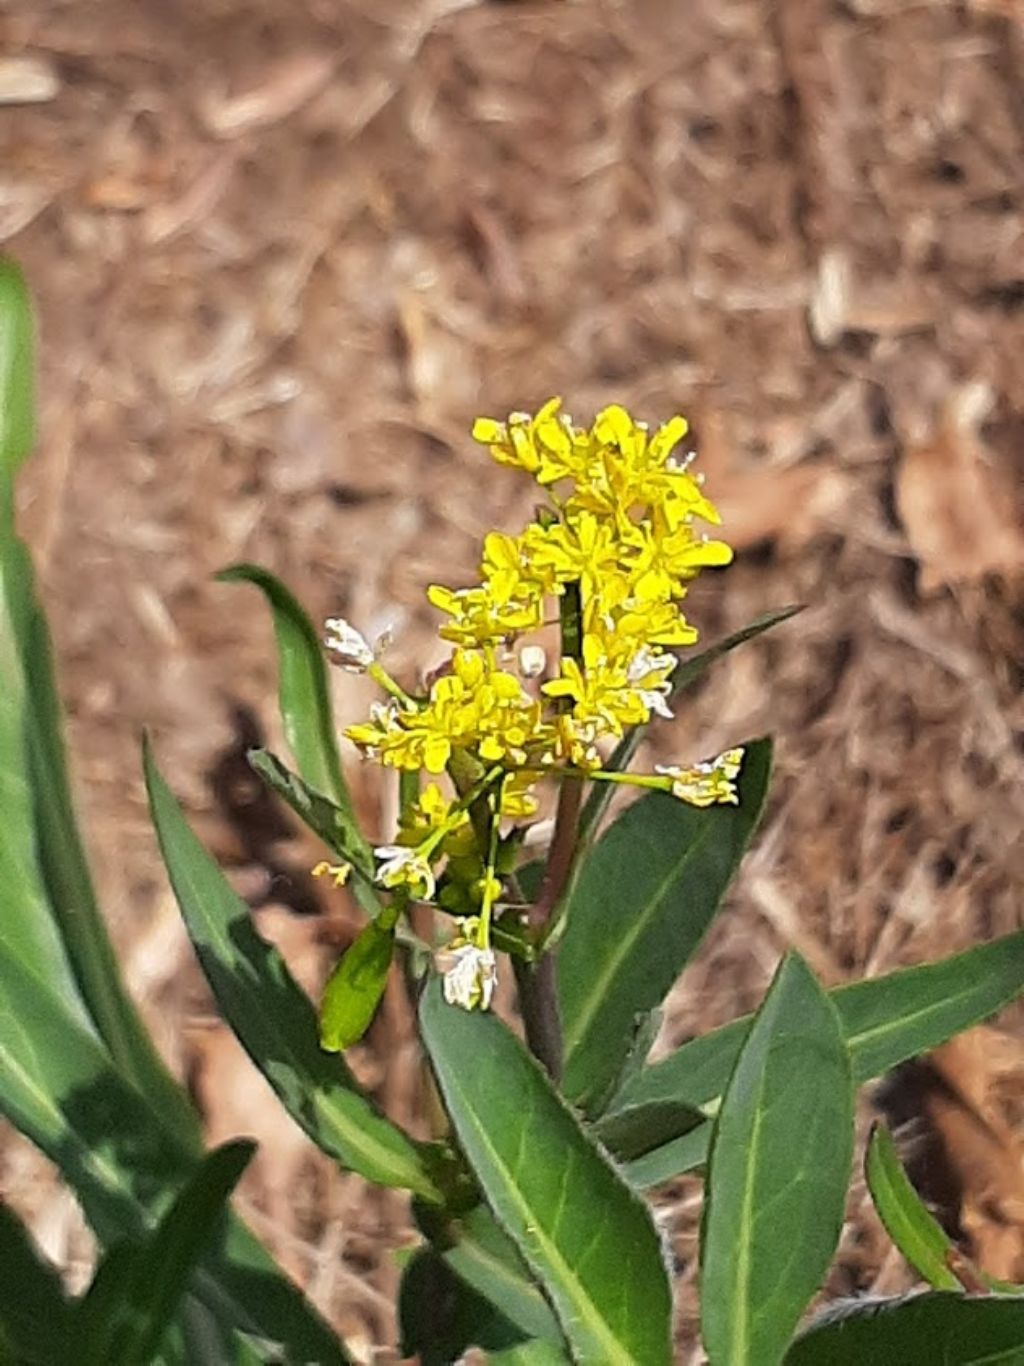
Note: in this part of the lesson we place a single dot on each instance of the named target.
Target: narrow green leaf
(253, 1351)
(66, 877)
(17, 369)
(26, 923)
(885, 1021)
(917, 1235)
(303, 694)
(539, 1352)
(584, 1234)
(638, 1129)
(683, 1154)
(356, 985)
(689, 670)
(918, 1330)
(47, 904)
(272, 1016)
(485, 1257)
(637, 911)
(34, 1312)
(777, 1174)
(60, 1089)
(337, 830)
(138, 1288)
(441, 1318)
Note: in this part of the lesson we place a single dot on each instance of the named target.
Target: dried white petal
(470, 982)
(532, 661)
(348, 647)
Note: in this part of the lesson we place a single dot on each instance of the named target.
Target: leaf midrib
(403, 1174)
(623, 945)
(599, 1328)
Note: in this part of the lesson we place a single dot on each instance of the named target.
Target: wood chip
(28, 80)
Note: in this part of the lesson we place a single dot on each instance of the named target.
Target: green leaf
(683, 1154)
(272, 1017)
(918, 1330)
(885, 1021)
(45, 886)
(34, 1311)
(356, 985)
(688, 671)
(486, 1259)
(637, 911)
(65, 871)
(777, 1174)
(638, 1129)
(60, 1089)
(138, 1288)
(17, 369)
(583, 1233)
(917, 1235)
(440, 1317)
(26, 922)
(540, 1352)
(338, 831)
(303, 694)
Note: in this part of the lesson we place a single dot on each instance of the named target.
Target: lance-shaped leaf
(777, 1174)
(485, 1258)
(303, 694)
(917, 1330)
(917, 1235)
(440, 1317)
(885, 1021)
(356, 985)
(688, 671)
(47, 904)
(35, 1315)
(583, 1233)
(272, 1017)
(637, 911)
(17, 370)
(136, 1292)
(686, 1153)
(60, 1089)
(327, 820)
(26, 923)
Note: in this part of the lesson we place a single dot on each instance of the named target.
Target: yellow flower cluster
(620, 530)
(610, 556)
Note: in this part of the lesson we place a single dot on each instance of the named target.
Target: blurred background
(284, 251)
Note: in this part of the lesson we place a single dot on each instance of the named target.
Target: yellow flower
(664, 563)
(432, 813)
(337, 872)
(612, 693)
(582, 549)
(708, 783)
(478, 619)
(546, 446)
(518, 798)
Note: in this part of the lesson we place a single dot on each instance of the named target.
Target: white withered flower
(648, 674)
(707, 783)
(348, 647)
(401, 866)
(470, 981)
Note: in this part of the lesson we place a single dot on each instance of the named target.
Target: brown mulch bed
(284, 253)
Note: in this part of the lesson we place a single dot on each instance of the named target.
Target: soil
(283, 253)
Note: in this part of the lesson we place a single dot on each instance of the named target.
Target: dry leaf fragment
(982, 1149)
(27, 80)
(285, 87)
(961, 514)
